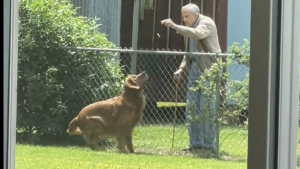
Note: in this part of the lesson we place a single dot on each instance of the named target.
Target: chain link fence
(163, 128)
(87, 75)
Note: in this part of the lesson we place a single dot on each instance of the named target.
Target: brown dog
(113, 117)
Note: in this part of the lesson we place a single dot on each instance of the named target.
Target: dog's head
(136, 81)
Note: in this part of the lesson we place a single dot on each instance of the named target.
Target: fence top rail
(166, 52)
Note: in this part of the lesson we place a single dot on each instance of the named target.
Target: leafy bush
(235, 91)
(55, 83)
(238, 91)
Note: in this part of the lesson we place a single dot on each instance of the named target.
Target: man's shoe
(193, 148)
(198, 148)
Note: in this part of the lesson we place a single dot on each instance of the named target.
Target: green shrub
(238, 91)
(55, 83)
(235, 91)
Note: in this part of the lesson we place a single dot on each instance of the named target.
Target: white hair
(193, 8)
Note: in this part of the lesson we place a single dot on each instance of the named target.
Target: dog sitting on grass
(115, 117)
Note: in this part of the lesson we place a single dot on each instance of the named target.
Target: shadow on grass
(62, 140)
(203, 154)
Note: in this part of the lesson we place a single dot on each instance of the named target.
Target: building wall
(238, 29)
(108, 12)
(238, 21)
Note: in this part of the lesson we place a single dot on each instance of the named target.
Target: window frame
(274, 85)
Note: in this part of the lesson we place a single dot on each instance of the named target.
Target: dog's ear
(131, 83)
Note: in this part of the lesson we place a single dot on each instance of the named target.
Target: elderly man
(200, 34)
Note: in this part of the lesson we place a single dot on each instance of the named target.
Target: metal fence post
(135, 35)
(218, 81)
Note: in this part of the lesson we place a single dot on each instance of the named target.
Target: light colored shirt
(192, 45)
(206, 37)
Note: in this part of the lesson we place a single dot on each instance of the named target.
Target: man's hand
(178, 74)
(169, 23)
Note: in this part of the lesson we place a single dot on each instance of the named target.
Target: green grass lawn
(35, 157)
(233, 140)
(153, 145)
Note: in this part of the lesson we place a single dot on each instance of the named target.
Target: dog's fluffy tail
(74, 128)
(97, 119)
